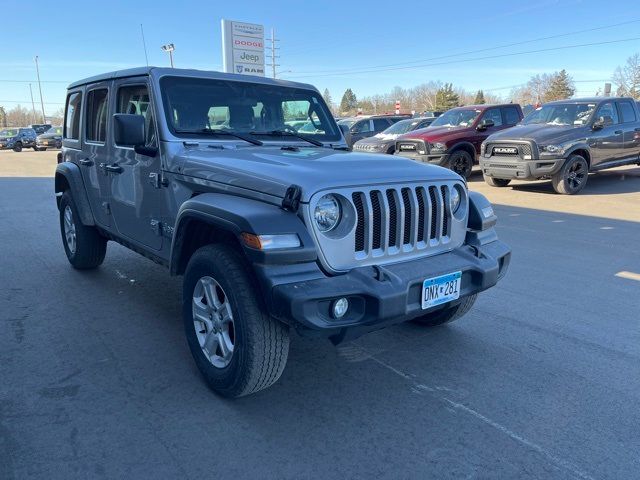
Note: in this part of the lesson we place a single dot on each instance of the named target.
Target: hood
(540, 133)
(271, 170)
(432, 133)
(50, 135)
(378, 139)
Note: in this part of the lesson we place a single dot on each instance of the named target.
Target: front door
(136, 199)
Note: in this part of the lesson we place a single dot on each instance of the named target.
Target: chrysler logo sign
(507, 150)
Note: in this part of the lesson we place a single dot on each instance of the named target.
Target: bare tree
(627, 77)
(18, 116)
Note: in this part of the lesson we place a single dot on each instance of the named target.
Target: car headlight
(327, 213)
(437, 147)
(483, 148)
(454, 199)
(552, 149)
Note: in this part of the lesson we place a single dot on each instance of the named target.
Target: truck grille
(509, 150)
(404, 217)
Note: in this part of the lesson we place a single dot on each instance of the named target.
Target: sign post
(397, 107)
(243, 48)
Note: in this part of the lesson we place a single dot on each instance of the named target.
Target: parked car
(271, 230)
(40, 128)
(385, 141)
(52, 138)
(564, 141)
(357, 128)
(453, 139)
(17, 138)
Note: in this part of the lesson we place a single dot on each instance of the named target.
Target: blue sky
(322, 42)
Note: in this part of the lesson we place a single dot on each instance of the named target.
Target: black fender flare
(68, 173)
(463, 146)
(579, 146)
(236, 215)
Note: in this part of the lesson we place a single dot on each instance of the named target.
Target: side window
(363, 126)
(608, 110)
(511, 116)
(134, 99)
(72, 116)
(380, 124)
(627, 111)
(493, 114)
(96, 129)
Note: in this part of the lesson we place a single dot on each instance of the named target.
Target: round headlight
(454, 199)
(327, 213)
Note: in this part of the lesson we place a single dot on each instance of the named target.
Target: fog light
(340, 307)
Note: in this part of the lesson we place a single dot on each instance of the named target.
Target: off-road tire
(460, 162)
(562, 181)
(497, 182)
(447, 315)
(261, 343)
(17, 147)
(90, 247)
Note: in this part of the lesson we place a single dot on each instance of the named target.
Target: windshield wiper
(228, 133)
(282, 133)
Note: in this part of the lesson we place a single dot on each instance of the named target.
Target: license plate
(442, 289)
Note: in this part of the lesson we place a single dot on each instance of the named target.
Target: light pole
(40, 89)
(169, 47)
(33, 106)
(277, 74)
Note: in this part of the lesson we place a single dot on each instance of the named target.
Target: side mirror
(128, 131)
(484, 124)
(602, 122)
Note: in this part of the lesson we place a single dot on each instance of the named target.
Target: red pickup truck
(453, 140)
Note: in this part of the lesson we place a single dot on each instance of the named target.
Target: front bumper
(510, 168)
(436, 159)
(379, 295)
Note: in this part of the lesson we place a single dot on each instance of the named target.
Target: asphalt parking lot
(540, 380)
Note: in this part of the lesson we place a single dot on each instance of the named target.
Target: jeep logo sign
(505, 150)
(243, 48)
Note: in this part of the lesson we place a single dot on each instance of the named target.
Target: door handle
(115, 168)
(617, 132)
(86, 162)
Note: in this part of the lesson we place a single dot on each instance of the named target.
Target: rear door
(95, 149)
(136, 200)
(380, 124)
(630, 124)
(609, 145)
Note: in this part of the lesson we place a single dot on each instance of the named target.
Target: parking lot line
(629, 275)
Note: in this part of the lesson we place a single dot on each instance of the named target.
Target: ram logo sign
(505, 150)
(243, 48)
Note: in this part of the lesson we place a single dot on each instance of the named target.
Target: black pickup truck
(564, 141)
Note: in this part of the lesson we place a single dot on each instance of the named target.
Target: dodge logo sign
(507, 150)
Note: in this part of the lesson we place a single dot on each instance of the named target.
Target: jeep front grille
(391, 223)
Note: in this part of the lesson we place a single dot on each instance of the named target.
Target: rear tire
(447, 315)
(497, 182)
(572, 177)
(17, 147)
(461, 162)
(238, 347)
(84, 246)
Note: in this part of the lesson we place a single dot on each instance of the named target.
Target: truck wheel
(497, 182)
(237, 346)
(84, 246)
(572, 177)
(17, 147)
(447, 315)
(36, 149)
(461, 163)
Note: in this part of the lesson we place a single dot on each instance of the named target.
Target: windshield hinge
(291, 200)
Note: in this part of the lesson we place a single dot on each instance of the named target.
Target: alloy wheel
(576, 175)
(213, 321)
(70, 230)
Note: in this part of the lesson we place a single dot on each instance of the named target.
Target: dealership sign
(243, 48)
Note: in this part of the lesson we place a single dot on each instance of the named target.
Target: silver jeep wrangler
(272, 225)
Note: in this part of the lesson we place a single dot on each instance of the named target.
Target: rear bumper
(380, 296)
(510, 168)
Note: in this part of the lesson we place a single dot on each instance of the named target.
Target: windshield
(197, 106)
(54, 131)
(348, 122)
(403, 126)
(458, 117)
(561, 114)
(8, 133)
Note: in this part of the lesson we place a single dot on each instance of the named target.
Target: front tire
(572, 177)
(447, 315)
(237, 346)
(461, 163)
(497, 182)
(17, 147)
(84, 246)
